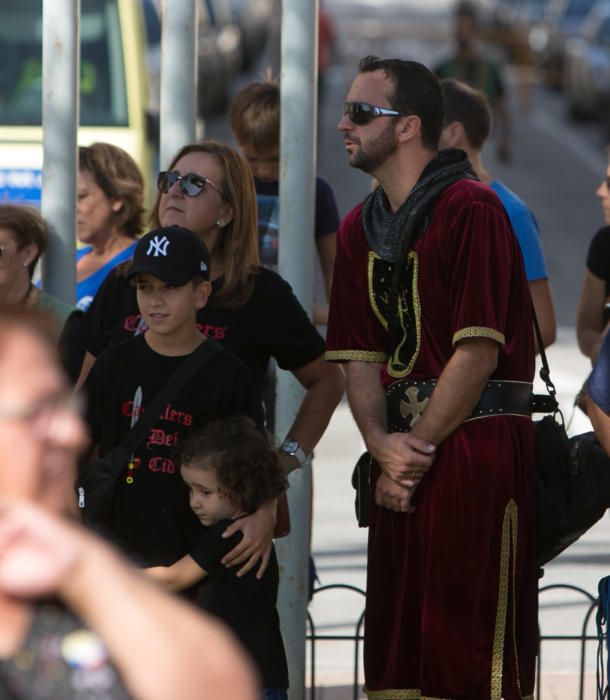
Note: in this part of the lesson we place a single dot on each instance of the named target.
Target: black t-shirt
(272, 323)
(246, 604)
(598, 258)
(151, 518)
(60, 659)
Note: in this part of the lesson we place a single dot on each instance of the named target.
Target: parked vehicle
(564, 20)
(113, 89)
(588, 65)
(219, 55)
(253, 19)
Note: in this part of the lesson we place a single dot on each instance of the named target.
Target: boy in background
(255, 122)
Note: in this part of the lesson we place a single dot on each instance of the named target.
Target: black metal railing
(585, 638)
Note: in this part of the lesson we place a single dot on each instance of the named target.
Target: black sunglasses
(191, 183)
(362, 113)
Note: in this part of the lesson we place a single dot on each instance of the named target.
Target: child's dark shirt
(246, 604)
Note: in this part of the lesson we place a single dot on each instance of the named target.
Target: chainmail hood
(383, 228)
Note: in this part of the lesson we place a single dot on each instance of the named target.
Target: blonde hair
(237, 247)
(255, 116)
(117, 175)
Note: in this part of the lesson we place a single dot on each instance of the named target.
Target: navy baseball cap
(173, 254)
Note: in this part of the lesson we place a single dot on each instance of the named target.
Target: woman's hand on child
(257, 530)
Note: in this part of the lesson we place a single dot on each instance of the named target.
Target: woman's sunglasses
(362, 113)
(191, 184)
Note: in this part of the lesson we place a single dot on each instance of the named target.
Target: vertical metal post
(178, 105)
(299, 43)
(60, 104)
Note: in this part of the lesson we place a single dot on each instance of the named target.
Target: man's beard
(375, 154)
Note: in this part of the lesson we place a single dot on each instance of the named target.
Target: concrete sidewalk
(339, 549)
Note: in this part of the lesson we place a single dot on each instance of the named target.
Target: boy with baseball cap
(151, 518)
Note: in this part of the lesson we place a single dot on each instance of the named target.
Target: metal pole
(296, 255)
(178, 77)
(60, 103)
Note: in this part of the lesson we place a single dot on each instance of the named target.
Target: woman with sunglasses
(252, 311)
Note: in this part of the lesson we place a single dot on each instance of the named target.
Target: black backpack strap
(171, 388)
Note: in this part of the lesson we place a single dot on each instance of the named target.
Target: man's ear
(408, 127)
(202, 294)
(454, 135)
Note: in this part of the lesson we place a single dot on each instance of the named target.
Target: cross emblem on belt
(413, 407)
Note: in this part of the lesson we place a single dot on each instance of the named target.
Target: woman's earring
(219, 223)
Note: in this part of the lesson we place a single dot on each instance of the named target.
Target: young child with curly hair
(230, 468)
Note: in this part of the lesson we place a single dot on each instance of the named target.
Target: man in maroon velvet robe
(451, 589)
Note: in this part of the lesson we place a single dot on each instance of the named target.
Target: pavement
(339, 550)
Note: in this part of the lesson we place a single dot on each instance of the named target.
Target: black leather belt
(407, 400)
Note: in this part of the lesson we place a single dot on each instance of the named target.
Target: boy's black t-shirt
(246, 604)
(151, 518)
(598, 257)
(272, 323)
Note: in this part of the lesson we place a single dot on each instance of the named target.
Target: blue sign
(20, 185)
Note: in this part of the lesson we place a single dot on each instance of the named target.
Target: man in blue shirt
(467, 125)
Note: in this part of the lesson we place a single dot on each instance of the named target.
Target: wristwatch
(291, 448)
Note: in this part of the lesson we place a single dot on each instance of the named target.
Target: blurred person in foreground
(439, 360)
(72, 610)
(594, 307)
(467, 125)
(471, 64)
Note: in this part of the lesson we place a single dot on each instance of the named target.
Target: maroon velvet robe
(451, 588)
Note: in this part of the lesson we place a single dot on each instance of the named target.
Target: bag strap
(541, 403)
(178, 379)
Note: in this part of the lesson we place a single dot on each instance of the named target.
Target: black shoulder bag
(572, 475)
(96, 480)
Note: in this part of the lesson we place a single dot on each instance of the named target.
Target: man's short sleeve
(484, 259)
(598, 257)
(526, 230)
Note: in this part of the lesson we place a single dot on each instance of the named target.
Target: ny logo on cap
(158, 246)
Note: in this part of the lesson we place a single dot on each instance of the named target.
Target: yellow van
(113, 97)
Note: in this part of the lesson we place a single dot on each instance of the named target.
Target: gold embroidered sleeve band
(355, 356)
(478, 332)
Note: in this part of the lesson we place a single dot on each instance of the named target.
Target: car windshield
(103, 98)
